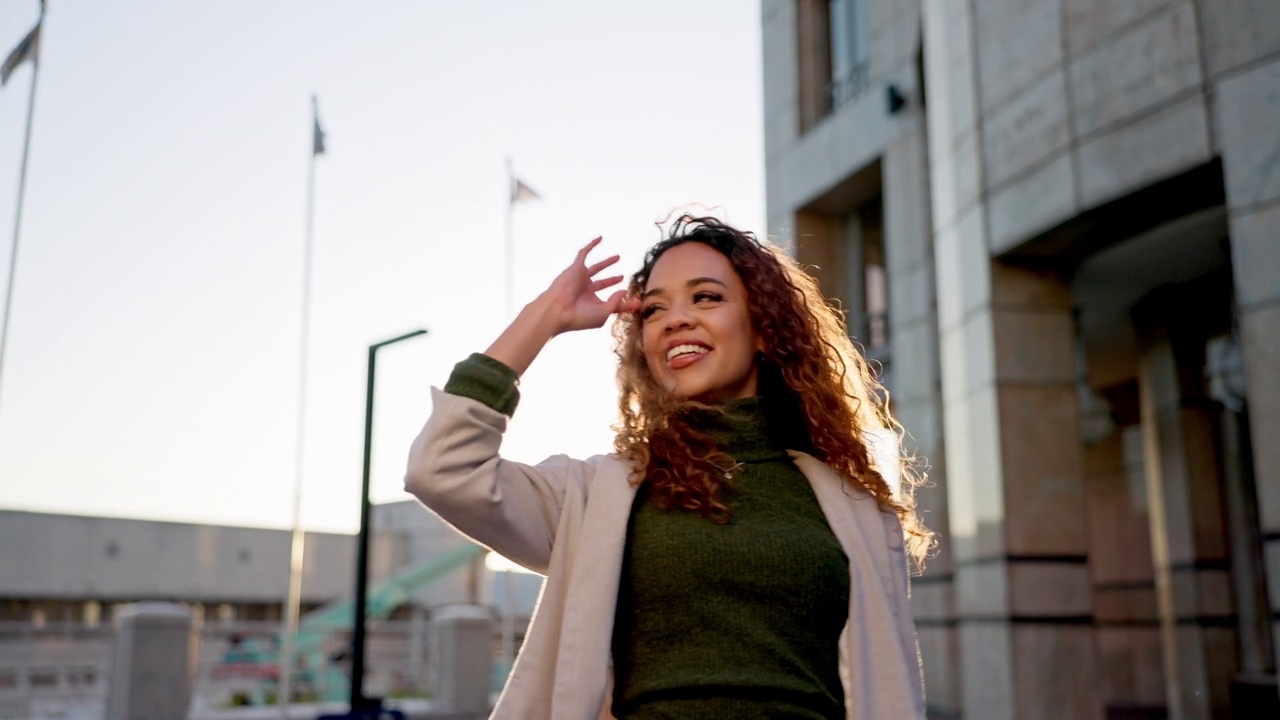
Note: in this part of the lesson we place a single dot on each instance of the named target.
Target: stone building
(63, 579)
(1056, 223)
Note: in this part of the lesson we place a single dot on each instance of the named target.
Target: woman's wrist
(524, 338)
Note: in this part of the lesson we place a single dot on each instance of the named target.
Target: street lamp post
(359, 704)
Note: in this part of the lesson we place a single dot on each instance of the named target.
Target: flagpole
(298, 538)
(22, 191)
(510, 247)
(508, 607)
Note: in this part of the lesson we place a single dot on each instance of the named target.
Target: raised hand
(572, 298)
(570, 303)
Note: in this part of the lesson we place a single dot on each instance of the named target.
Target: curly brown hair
(811, 376)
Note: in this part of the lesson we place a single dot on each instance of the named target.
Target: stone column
(1248, 133)
(461, 658)
(1126, 624)
(917, 399)
(155, 661)
(1184, 489)
(1014, 469)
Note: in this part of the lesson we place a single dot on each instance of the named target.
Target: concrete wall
(71, 557)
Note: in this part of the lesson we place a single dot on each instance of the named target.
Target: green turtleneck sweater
(721, 621)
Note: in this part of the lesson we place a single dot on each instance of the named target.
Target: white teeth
(684, 349)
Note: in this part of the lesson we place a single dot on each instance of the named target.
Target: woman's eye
(646, 312)
(707, 296)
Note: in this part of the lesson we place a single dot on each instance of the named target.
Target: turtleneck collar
(742, 431)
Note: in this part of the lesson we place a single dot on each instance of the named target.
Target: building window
(43, 678)
(92, 613)
(84, 677)
(833, 56)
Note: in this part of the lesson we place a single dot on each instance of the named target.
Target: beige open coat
(567, 519)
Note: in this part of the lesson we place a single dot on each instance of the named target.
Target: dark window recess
(833, 57)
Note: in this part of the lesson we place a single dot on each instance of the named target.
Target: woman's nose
(677, 318)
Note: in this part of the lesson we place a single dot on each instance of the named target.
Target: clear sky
(152, 366)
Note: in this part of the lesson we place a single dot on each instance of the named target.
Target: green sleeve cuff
(485, 380)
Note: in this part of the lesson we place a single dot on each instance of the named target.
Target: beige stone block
(1119, 534)
(1050, 588)
(1200, 442)
(907, 221)
(952, 355)
(1126, 605)
(1237, 32)
(914, 359)
(906, 28)
(940, 654)
(949, 70)
(979, 345)
(1043, 484)
(1155, 60)
(950, 273)
(975, 263)
(932, 600)
(1168, 484)
(1025, 131)
(962, 517)
(1255, 256)
(987, 671)
(975, 498)
(982, 589)
(967, 163)
(881, 39)
(1057, 673)
(1260, 337)
(1153, 148)
(1032, 205)
(1248, 127)
(988, 484)
(1014, 286)
(1034, 346)
(1018, 41)
(1130, 667)
(780, 78)
(910, 296)
(1091, 21)
(863, 131)
(1214, 593)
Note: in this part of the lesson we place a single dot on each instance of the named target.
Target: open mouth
(685, 355)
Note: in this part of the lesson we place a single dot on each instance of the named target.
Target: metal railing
(845, 89)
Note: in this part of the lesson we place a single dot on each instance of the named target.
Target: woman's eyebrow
(696, 281)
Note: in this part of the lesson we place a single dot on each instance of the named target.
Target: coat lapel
(582, 667)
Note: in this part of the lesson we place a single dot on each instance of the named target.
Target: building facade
(1056, 225)
(63, 578)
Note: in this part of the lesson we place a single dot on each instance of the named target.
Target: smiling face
(697, 336)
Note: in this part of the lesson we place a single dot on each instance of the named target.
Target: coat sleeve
(456, 471)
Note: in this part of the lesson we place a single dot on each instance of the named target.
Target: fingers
(603, 283)
(592, 270)
(620, 302)
(582, 254)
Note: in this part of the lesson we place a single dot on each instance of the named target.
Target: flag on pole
(522, 193)
(25, 50)
(317, 132)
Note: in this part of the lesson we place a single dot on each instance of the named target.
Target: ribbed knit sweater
(740, 620)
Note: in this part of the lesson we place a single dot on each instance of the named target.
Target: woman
(741, 554)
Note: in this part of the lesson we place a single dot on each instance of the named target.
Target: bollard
(461, 658)
(154, 663)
